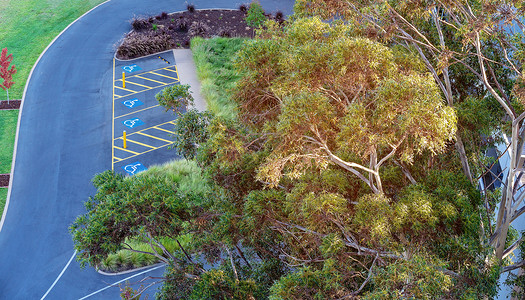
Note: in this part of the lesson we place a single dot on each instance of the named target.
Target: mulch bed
(4, 180)
(169, 31)
(13, 104)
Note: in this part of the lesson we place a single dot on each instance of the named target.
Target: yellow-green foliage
(418, 277)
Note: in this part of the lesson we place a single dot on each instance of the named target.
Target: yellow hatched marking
(139, 143)
(162, 83)
(117, 159)
(147, 151)
(164, 76)
(163, 129)
(137, 111)
(127, 81)
(171, 70)
(145, 129)
(154, 137)
(127, 150)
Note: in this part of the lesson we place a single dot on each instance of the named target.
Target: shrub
(255, 15)
(139, 24)
(243, 8)
(223, 32)
(163, 15)
(175, 97)
(199, 29)
(279, 16)
(182, 24)
(190, 7)
(136, 45)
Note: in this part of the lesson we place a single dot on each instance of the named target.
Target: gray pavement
(64, 138)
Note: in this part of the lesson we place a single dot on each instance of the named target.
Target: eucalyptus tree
(484, 39)
(337, 99)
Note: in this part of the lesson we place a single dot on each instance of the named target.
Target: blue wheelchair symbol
(131, 68)
(132, 123)
(131, 103)
(134, 168)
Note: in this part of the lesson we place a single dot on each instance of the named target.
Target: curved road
(64, 139)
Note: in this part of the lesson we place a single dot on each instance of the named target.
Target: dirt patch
(13, 104)
(169, 31)
(4, 180)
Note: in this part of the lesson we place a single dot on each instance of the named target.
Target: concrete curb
(21, 111)
(129, 271)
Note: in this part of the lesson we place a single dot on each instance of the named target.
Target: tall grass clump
(214, 62)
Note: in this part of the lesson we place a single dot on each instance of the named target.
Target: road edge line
(59, 275)
(120, 281)
(6, 206)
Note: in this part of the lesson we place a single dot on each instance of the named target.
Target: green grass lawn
(26, 28)
(8, 120)
(3, 197)
(214, 62)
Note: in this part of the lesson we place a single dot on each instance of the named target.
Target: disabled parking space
(137, 117)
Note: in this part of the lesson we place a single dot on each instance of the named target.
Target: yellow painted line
(177, 79)
(163, 129)
(118, 159)
(145, 129)
(127, 150)
(146, 151)
(113, 121)
(139, 143)
(121, 88)
(168, 69)
(154, 137)
(146, 86)
(163, 83)
(137, 111)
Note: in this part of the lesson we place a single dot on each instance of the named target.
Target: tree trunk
(463, 157)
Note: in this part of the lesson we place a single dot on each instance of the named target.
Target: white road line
(60, 275)
(120, 281)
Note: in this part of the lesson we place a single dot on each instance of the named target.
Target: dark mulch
(13, 104)
(4, 180)
(167, 31)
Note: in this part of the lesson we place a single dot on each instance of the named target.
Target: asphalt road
(65, 137)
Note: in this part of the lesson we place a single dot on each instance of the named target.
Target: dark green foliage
(255, 15)
(176, 97)
(125, 208)
(190, 132)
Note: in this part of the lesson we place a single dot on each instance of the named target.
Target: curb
(129, 271)
(21, 111)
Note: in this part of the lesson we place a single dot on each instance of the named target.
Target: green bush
(176, 97)
(255, 15)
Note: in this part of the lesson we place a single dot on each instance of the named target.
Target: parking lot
(137, 114)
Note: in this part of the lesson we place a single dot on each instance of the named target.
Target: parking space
(142, 130)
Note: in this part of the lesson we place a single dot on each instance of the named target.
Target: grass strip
(3, 197)
(8, 121)
(214, 62)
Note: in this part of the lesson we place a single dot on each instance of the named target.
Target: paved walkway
(64, 138)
